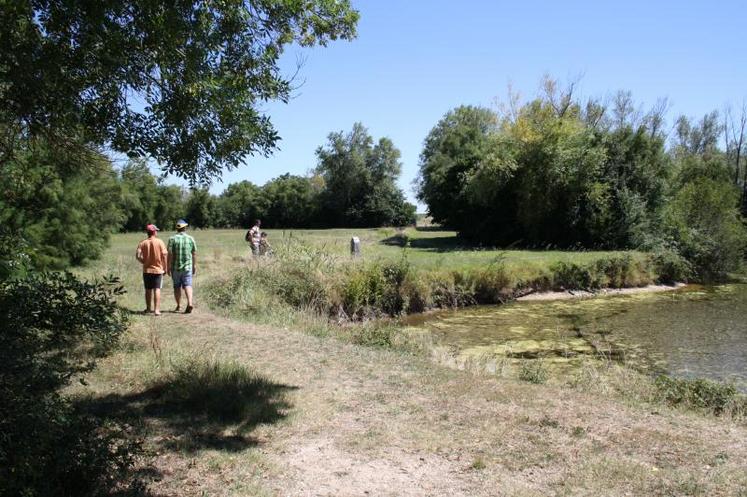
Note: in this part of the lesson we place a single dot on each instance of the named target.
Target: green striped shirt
(181, 247)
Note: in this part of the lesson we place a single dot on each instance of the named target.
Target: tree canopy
(360, 181)
(558, 171)
(180, 82)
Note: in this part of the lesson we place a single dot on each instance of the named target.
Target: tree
(200, 208)
(735, 134)
(359, 177)
(169, 206)
(552, 171)
(139, 195)
(292, 202)
(239, 205)
(453, 151)
(61, 211)
(705, 224)
(71, 70)
(700, 137)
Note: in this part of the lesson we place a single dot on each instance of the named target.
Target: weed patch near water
(702, 394)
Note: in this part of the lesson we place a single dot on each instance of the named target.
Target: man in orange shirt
(153, 255)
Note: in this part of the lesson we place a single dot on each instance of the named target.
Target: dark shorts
(152, 281)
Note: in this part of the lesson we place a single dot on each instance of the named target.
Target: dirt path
(366, 421)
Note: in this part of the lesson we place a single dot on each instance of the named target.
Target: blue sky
(415, 60)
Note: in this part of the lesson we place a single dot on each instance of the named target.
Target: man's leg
(178, 297)
(157, 301)
(148, 299)
(188, 291)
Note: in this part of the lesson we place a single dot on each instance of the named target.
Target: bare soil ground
(583, 294)
(362, 421)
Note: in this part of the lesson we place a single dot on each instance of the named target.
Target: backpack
(248, 236)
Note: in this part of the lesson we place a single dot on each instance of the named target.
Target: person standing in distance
(152, 254)
(253, 236)
(182, 264)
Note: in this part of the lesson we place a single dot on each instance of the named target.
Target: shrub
(372, 334)
(609, 272)
(698, 393)
(378, 288)
(52, 328)
(704, 220)
(569, 275)
(451, 289)
(492, 284)
(671, 267)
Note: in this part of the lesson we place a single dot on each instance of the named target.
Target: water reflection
(691, 332)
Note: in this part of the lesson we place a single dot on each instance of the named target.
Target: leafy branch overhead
(180, 82)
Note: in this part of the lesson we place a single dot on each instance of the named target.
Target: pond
(691, 332)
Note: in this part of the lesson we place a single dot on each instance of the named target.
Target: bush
(570, 276)
(699, 394)
(52, 328)
(451, 289)
(671, 267)
(610, 272)
(377, 288)
(372, 334)
(492, 284)
(704, 221)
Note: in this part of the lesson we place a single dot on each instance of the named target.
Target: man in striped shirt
(182, 264)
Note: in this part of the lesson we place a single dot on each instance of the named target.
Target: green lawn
(219, 251)
(428, 249)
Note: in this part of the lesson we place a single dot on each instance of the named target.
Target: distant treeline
(557, 171)
(353, 185)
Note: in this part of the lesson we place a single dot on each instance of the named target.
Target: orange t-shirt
(154, 255)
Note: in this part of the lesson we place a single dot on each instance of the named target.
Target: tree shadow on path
(198, 406)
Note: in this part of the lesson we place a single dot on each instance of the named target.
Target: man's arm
(170, 260)
(139, 254)
(165, 257)
(194, 262)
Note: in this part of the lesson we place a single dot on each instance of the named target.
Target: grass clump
(534, 371)
(701, 394)
(224, 392)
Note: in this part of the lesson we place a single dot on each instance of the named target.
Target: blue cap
(181, 223)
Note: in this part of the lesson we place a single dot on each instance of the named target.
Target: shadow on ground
(198, 406)
(430, 228)
(440, 244)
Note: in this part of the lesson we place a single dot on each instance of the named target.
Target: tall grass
(302, 277)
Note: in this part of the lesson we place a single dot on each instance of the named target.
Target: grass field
(232, 408)
(222, 251)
